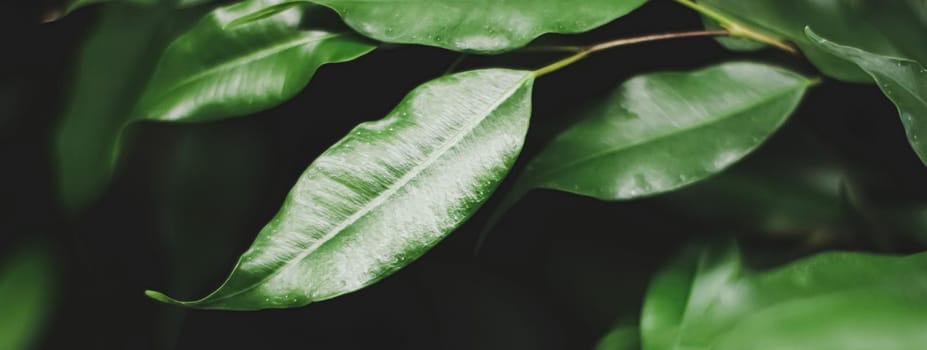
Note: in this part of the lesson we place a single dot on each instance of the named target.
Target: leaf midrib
(724, 117)
(283, 46)
(382, 197)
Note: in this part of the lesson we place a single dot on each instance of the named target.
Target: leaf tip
(163, 297)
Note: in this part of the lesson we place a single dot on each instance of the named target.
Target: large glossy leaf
(707, 298)
(475, 25)
(385, 193)
(902, 80)
(892, 28)
(220, 69)
(662, 131)
(27, 289)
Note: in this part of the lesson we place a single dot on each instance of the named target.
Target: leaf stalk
(739, 29)
(583, 51)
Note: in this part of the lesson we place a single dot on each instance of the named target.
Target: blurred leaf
(475, 26)
(27, 289)
(776, 199)
(105, 87)
(883, 27)
(903, 81)
(662, 131)
(384, 194)
(76, 4)
(217, 71)
(620, 338)
(706, 299)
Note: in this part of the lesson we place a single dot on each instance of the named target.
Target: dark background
(556, 273)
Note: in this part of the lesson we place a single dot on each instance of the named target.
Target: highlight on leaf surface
(219, 70)
(385, 193)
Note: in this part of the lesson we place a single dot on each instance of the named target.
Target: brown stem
(585, 51)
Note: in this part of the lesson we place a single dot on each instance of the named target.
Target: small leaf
(902, 80)
(485, 26)
(662, 131)
(707, 299)
(885, 27)
(384, 194)
(217, 71)
(27, 289)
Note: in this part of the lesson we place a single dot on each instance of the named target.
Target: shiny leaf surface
(662, 131)
(218, 70)
(707, 298)
(485, 26)
(385, 193)
(902, 80)
(27, 288)
(891, 28)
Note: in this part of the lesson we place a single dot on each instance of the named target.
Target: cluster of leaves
(393, 188)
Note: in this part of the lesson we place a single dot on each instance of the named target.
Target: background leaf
(662, 131)
(217, 70)
(887, 27)
(105, 88)
(620, 338)
(76, 4)
(707, 299)
(27, 289)
(485, 26)
(903, 81)
(384, 194)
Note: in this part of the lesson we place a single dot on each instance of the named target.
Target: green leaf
(27, 288)
(779, 199)
(662, 131)
(891, 28)
(104, 91)
(208, 72)
(484, 26)
(902, 80)
(216, 70)
(76, 4)
(620, 338)
(707, 299)
(731, 42)
(384, 194)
